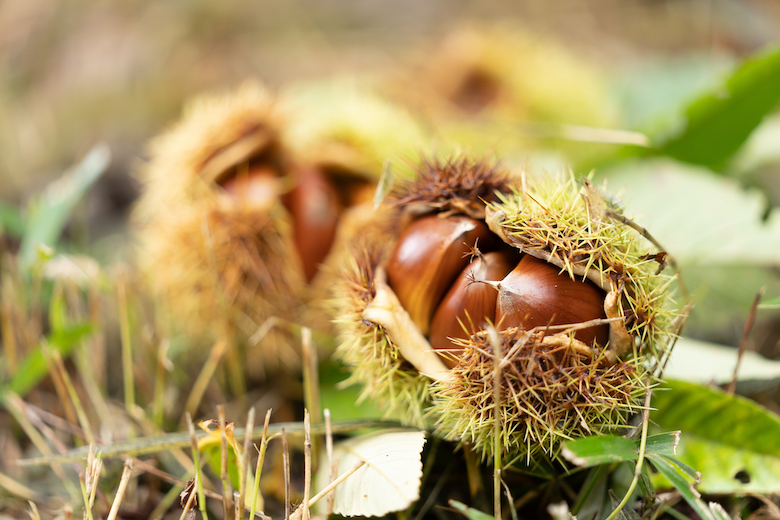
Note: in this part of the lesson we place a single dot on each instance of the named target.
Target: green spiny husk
(550, 391)
(565, 223)
(568, 225)
(364, 347)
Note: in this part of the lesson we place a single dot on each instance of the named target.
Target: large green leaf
(49, 214)
(701, 362)
(717, 124)
(731, 440)
(699, 218)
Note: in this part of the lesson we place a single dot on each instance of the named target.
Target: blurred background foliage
(73, 74)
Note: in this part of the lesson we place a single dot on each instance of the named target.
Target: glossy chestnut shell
(453, 276)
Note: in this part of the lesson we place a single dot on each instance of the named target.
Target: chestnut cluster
(468, 244)
(453, 276)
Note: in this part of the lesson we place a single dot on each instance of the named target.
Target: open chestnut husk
(242, 203)
(555, 287)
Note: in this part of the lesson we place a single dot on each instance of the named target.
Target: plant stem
(640, 459)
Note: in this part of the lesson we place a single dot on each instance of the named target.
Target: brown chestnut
(429, 255)
(314, 206)
(469, 304)
(536, 294)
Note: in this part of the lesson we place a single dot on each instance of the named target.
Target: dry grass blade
(16, 406)
(223, 463)
(286, 456)
(306, 464)
(250, 424)
(74, 397)
(196, 461)
(34, 513)
(205, 376)
(331, 462)
(127, 346)
(187, 505)
(260, 460)
(17, 488)
(495, 343)
(298, 514)
(311, 384)
(120, 492)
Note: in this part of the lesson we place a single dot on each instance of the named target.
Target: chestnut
(314, 207)
(469, 303)
(536, 294)
(429, 255)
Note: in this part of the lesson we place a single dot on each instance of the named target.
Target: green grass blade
(49, 214)
(33, 368)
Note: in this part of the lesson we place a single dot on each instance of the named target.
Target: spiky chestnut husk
(365, 347)
(219, 266)
(552, 388)
(219, 223)
(584, 242)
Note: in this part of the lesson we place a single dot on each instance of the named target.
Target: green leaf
(698, 218)
(681, 483)
(603, 449)
(717, 124)
(731, 440)
(774, 303)
(626, 513)
(662, 443)
(343, 401)
(33, 368)
(701, 362)
(599, 449)
(470, 512)
(50, 213)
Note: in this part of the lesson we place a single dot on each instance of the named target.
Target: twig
(167, 442)
(745, 337)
